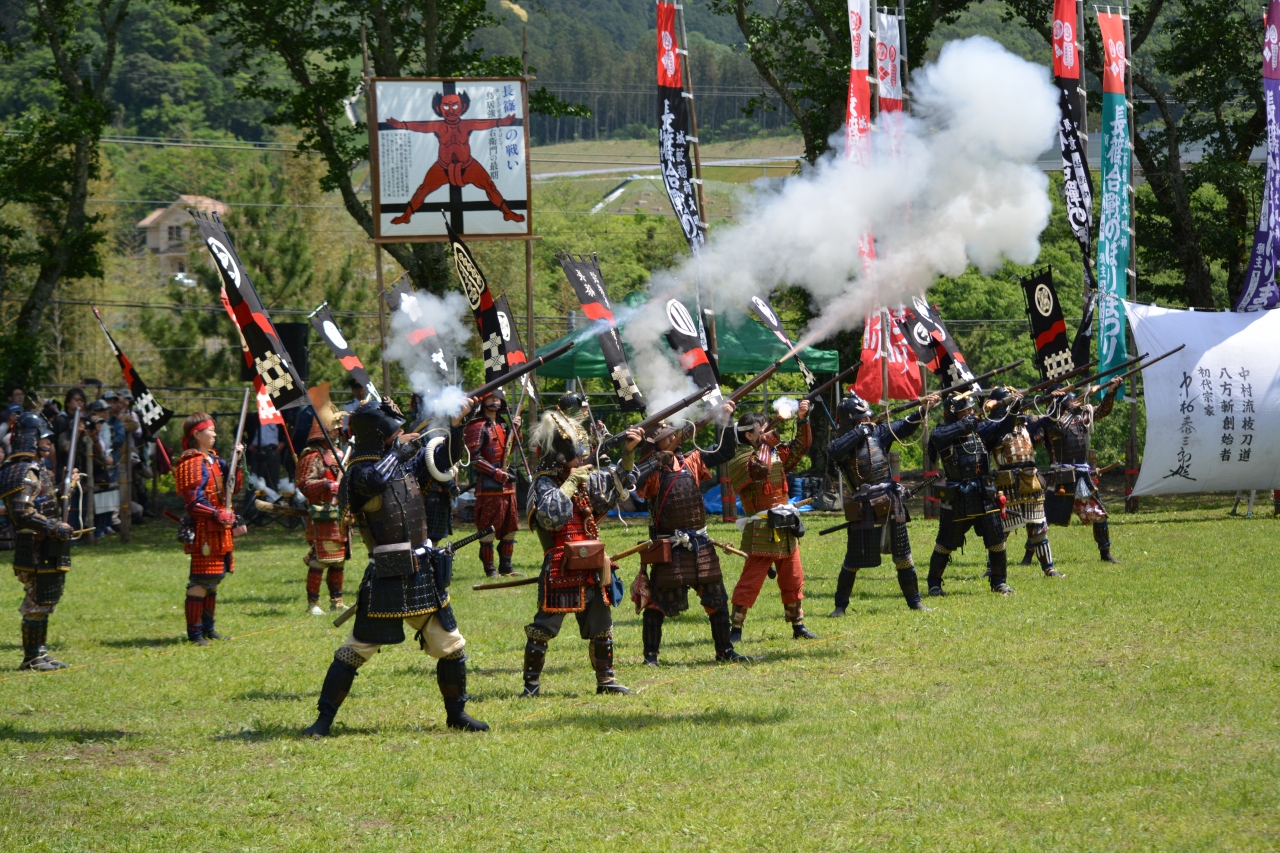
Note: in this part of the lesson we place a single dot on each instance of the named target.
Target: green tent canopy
(745, 346)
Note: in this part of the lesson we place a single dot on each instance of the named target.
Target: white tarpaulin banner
(1213, 408)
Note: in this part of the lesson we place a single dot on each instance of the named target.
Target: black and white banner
(765, 312)
(480, 298)
(934, 346)
(152, 414)
(280, 381)
(322, 321)
(1077, 184)
(512, 345)
(584, 274)
(1048, 328)
(675, 129)
(1082, 346)
(683, 338)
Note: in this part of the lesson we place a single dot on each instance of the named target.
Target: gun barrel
(66, 484)
(653, 420)
(956, 387)
(1040, 386)
(512, 375)
(813, 395)
(746, 388)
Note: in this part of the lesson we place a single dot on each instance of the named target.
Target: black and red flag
(322, 321)
(584, 274)
(1077, 183)
(765, 312)
(675, 131)
(420, 331)
(934, 346)
(1082, 347)
(480, 298)
(512, 344)
(1048, 328)
(683, 338)
(153, 415)
(280, 381)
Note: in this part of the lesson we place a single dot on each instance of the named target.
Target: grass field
(1129, 707)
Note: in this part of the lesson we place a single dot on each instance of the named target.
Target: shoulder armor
(439, 476)
(13, 476)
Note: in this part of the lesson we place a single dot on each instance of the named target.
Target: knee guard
(349, 656)
(600, 651)
(651, 631)
(937, 565)
(1038, 541)
(535, 654)
(844, 586)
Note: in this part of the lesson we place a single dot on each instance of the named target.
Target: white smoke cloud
(430, 368)
(963, 188)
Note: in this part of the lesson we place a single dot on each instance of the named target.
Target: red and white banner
(904, 370)
(1066, 47)
(888, 63)
(858, 112)
(267, 412)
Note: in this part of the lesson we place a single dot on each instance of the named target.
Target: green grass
(1129, 707)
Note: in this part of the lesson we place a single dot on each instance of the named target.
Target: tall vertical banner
(684, 340)
(512, 344)
(857, 129)
(324, 324)
(152, 414)
(480, 298)
(675, 127)
(1048, 326)
(584, 275)
(888, 63)
(935, 348)
(1260, 290)
(767, 316)
(904, 368)
(267, 412)
(1113, 231)
(1077, 182)
(270, 360)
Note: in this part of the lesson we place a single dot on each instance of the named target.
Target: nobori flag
(1113, 230)
(153, 415)
(483, 309)
(322, 321)
(584, 275)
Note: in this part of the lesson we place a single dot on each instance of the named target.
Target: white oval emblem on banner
(921, 334)
(228, 262)
(504, 326)
(1044, 300)
(680, 319)
(922, 307)
(763, 308)
(331, 332)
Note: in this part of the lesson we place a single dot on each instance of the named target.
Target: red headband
(186, 437)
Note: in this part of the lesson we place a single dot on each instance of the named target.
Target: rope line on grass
(143, 655)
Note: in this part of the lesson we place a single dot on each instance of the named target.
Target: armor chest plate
(773, 491)
(394, 516)
(966, 459)
(1015, 448)
(679, 502)
(1070, 443)
(867, 464)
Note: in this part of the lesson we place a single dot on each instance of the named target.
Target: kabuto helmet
(672, 427)
(497, 394)
(853, 409)
(999, 396)
(372, 423)
(557, 440)
(570, 404)
(27, 432)
(957, 404)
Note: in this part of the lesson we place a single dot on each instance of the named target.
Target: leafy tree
(318, 47)
(49, 155)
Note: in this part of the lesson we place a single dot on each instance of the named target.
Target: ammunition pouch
(186, 530)
(324, 512)
(392, 561)
(589, 555)
(659, 551)
(440, 562)
(785, 517)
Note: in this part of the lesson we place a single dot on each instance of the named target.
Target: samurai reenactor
(207, 533)
(319, 475)
(964, 444)
(1019, 483)
(495, 483)
(758, 474)
(566, 500)
(407, 579)
(1067, 433)
(42, 541)
(681, 556)
(872, 500)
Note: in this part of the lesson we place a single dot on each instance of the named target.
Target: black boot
(844, 590)
(337, 683)
(910, 586)
(651, 635)
(1102, 535)
(1027, 557)
(535, 657)
(451, 676)
(34, 654)
(601, 652)
(937, 565)
(1000, 572)
(720, 633)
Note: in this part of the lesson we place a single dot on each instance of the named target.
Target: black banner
(584, 274)
(1048, 328)
(512, 344)
(480, 298)
(421, 333)
(935, 348)
(765, 312)
(1082, 347)
(280, 380)
(1077, 183)
(683, 338)
(674, 130)
(322, 321)
(153, 415)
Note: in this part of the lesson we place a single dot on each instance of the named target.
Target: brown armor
(678, 506)
(1015, 449)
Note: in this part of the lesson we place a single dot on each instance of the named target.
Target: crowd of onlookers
(108, 425)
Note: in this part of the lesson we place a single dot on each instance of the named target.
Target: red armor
(495, 500)
(318, 478)
(198, 481)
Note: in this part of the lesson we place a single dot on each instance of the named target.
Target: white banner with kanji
(1212, 408)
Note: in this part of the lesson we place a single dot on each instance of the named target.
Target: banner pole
(382, 320)
(1131, 447)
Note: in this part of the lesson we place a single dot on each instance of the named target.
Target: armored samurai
(495, 483)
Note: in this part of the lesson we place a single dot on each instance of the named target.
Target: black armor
(677, 508)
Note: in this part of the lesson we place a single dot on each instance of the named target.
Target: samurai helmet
(557, 440)
(372, 424)
(957, 404)
(853, 409)
(673, 426)
(327, 418)
(570, 403)
(497, 394)
(27, 432)
(998, 397)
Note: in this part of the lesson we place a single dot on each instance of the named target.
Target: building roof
(199, 202)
